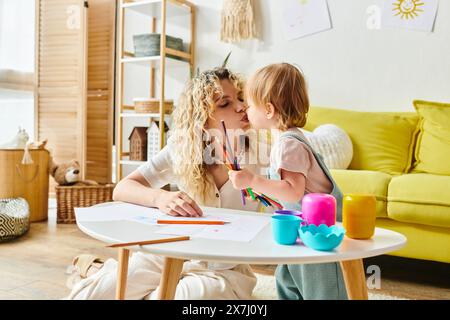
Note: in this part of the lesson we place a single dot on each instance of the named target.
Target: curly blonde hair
(195, 106)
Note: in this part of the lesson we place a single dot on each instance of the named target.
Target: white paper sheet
(243, 229)
(304, 17)
(409, 14)
(239, 227)
(127, 211)
(114, 212)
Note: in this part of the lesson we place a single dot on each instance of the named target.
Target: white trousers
(144, 273)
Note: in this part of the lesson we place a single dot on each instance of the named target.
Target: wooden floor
(33, 266)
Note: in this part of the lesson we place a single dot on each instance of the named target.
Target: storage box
(28, 181)
(149, 44)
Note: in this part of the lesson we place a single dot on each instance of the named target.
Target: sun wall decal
(407, 8)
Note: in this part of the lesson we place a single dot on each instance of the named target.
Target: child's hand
(241, 179)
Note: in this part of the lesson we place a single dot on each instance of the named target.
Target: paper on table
(243, 229)
(114, 212)
(128, 211)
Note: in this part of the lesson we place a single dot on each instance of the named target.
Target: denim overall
(323, 281)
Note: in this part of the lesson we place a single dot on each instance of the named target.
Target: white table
(261, 250)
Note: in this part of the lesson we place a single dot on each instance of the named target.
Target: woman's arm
(135, 189)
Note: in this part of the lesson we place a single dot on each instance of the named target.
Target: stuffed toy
(68, 174)
(18, 142)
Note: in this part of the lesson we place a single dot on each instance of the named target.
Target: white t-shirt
(158, 172)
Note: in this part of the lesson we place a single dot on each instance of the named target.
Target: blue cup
(285, 228)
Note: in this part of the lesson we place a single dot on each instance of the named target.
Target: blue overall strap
(336, 192)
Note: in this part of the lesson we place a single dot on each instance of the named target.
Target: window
(17, 54)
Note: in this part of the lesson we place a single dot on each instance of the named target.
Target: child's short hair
(284, 86)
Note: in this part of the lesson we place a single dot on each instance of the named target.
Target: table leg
(122, 272)
(355, 279)
(170, 277)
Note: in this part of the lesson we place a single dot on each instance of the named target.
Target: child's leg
(287, 289)
(322, 281)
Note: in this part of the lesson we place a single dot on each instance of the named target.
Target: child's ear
(270, 111)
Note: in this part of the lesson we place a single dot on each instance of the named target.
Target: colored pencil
(209, 222)
(234, 165)
(146, 242)
(227, 139)
(251, 193)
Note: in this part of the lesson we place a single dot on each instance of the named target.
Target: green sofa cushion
(420, 198)
(382, 141)
(362, 181)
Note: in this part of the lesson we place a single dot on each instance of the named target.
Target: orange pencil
(189, 222)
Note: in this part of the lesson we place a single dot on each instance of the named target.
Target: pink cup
(319, 208)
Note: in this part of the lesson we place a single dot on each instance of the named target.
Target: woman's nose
(240, 106)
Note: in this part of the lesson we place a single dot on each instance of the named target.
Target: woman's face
(230, 108)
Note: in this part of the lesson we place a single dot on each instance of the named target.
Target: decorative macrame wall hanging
(237, 21)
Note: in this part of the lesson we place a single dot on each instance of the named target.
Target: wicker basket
(151, 105)
(69, 197)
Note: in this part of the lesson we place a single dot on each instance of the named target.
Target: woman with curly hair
(186, 160)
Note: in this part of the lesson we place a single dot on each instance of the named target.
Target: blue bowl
(321, 237)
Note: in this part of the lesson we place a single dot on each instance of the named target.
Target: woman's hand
(178, 204)
(241, 179)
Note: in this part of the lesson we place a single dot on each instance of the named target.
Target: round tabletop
(261, 250)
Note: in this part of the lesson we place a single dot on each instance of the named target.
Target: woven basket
(69, 197)
(151, 105)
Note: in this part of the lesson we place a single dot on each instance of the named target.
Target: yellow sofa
(392, 153)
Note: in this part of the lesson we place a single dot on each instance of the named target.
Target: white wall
(348, 66)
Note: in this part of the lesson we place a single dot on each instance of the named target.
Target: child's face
(259, 116)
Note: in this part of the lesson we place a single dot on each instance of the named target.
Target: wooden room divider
(74, 85)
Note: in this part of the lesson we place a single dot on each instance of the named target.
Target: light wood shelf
(153, 8)
(131, 163)
(139, 115)
(159, 11)
(155, 61)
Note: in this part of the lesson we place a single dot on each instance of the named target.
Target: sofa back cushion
(382, 141)
(432, 151)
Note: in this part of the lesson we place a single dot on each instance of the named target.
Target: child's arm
(290, 188)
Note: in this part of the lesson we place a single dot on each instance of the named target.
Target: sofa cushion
(382, 141)
(420, 198)
(361, 181)
(432, 152)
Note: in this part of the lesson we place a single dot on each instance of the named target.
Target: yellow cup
(358, 215)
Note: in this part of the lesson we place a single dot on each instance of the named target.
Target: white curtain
(17, 30)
